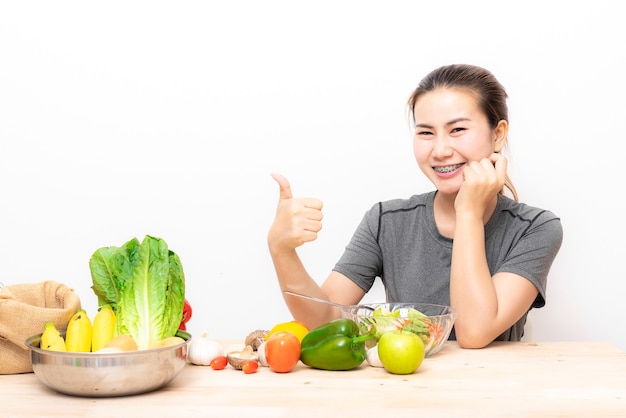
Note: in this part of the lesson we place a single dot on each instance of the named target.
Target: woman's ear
(500, 134)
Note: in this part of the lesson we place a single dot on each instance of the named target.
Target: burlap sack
(24, 309)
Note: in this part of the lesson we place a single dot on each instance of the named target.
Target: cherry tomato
(219, 362)
(250, 366)
(282, 351)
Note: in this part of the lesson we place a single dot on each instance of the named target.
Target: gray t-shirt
(399, 242)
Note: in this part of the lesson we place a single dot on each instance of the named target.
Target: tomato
(282, 351)
(250, 366)
(219, 362)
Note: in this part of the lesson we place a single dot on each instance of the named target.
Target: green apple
(400, 352)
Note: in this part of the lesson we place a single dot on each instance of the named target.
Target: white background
(122, 119)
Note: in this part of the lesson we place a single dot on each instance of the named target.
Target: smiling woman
(465, 244)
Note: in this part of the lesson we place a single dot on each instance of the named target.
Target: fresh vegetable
(168, 341)
(250, 366)
(219, 363)
(79, 333)
(187, 311)
(256, 338)
(401, 352)
(145, 284)
(201, 351)
(282, 351)
(122, 342)
(335, 345)
(408, 319)
(297, 328)
(261, 353)
(372, 357)
(103, 327)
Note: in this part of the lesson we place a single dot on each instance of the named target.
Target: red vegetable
(219, 362)
(282, 351)
(186, 315)
(250, 366)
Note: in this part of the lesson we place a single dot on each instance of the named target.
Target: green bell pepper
(335, 345)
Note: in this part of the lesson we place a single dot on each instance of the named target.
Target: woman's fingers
(298, 220)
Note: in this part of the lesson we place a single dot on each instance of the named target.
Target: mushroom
(238, 358)
(256, 338)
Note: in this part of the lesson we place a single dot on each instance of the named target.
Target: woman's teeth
(447, 169)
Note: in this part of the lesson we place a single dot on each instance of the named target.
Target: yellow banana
(103, 327)
(51, 338)
(79, 331)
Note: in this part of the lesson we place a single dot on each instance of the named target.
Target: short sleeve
(534, 253)
(361, 261)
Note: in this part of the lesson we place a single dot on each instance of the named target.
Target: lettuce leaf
(145, 284)
(110, 268)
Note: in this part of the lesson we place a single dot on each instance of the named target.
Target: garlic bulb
(261, 354)
(372, 357)
(201, 351)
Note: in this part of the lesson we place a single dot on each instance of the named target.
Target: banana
(103, 327)
(79, 331)
(51, 338)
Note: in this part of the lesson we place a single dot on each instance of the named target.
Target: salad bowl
(433, 323)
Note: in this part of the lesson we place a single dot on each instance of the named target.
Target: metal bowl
(439, 320)
(108, 374)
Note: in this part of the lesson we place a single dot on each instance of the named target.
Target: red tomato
(282, 351)
(219, 362)
(250, 366)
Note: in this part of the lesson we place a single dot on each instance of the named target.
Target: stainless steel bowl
(107, 374)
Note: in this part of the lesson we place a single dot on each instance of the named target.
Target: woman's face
(450, 131)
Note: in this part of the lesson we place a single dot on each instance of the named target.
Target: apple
(401, 352)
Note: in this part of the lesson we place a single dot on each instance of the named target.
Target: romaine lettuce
(145, 284)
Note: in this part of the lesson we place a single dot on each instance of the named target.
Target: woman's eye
(457, 130)
(423, 133)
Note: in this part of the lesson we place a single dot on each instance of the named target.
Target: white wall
(124, 119)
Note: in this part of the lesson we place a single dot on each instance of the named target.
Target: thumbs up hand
(298, 220)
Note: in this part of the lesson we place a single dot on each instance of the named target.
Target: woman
(464, 244)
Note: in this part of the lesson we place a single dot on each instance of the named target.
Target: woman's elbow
(472, 339)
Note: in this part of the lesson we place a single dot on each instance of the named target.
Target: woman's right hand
(298, 220)
(482, 181)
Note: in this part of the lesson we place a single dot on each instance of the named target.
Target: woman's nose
(441, 147)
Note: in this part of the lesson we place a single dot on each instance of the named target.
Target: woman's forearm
(293, 276)
(472, 291)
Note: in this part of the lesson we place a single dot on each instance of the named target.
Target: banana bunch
(51, 339)
(81, 334)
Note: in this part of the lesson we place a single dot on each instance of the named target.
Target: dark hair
(490, 94)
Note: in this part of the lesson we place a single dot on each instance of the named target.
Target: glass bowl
(108, 374)
(433, 323)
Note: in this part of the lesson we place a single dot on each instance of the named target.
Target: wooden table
(521, 379)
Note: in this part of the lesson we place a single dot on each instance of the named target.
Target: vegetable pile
(145, 284)
(395, 339)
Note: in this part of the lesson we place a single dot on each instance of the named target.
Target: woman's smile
(446, 171)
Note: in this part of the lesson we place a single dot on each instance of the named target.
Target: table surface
(518, 379)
